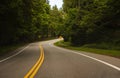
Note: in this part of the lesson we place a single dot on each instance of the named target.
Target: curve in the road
(108, 64)
(36, 67)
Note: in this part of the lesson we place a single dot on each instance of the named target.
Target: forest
(23, 21)
(92, 21)
(78, 21)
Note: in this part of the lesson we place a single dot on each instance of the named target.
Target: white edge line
(14, 54)
(108, 64)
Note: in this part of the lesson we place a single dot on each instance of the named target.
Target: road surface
(58, 63)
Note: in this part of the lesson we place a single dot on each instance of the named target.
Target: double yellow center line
(36, 67)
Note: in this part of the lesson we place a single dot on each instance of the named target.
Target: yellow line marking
(36, 67)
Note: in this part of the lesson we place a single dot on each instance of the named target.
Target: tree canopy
(92, 21)
(23, 20)
(79, 21)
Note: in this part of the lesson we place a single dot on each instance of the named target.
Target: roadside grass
(7, 49)
(110, 52)
(45, 39)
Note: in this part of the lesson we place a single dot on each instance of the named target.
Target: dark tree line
(92, 21)
(80, 21)
(23, 20)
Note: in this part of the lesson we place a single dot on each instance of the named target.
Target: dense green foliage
(92, 21)
(56, 21)
(80, 21)
(104, 51)
(23, 20)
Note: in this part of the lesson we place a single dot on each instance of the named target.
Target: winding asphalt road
(58, 63)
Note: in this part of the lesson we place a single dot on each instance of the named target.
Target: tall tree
(23, 20)
(94, 21)
(56, 23)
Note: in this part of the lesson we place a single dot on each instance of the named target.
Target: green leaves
(56, 21)
(91, 21)
(23, 20)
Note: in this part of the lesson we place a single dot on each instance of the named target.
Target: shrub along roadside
(90, 48)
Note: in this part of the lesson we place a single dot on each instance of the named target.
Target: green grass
(109, 52)
(6, 49)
